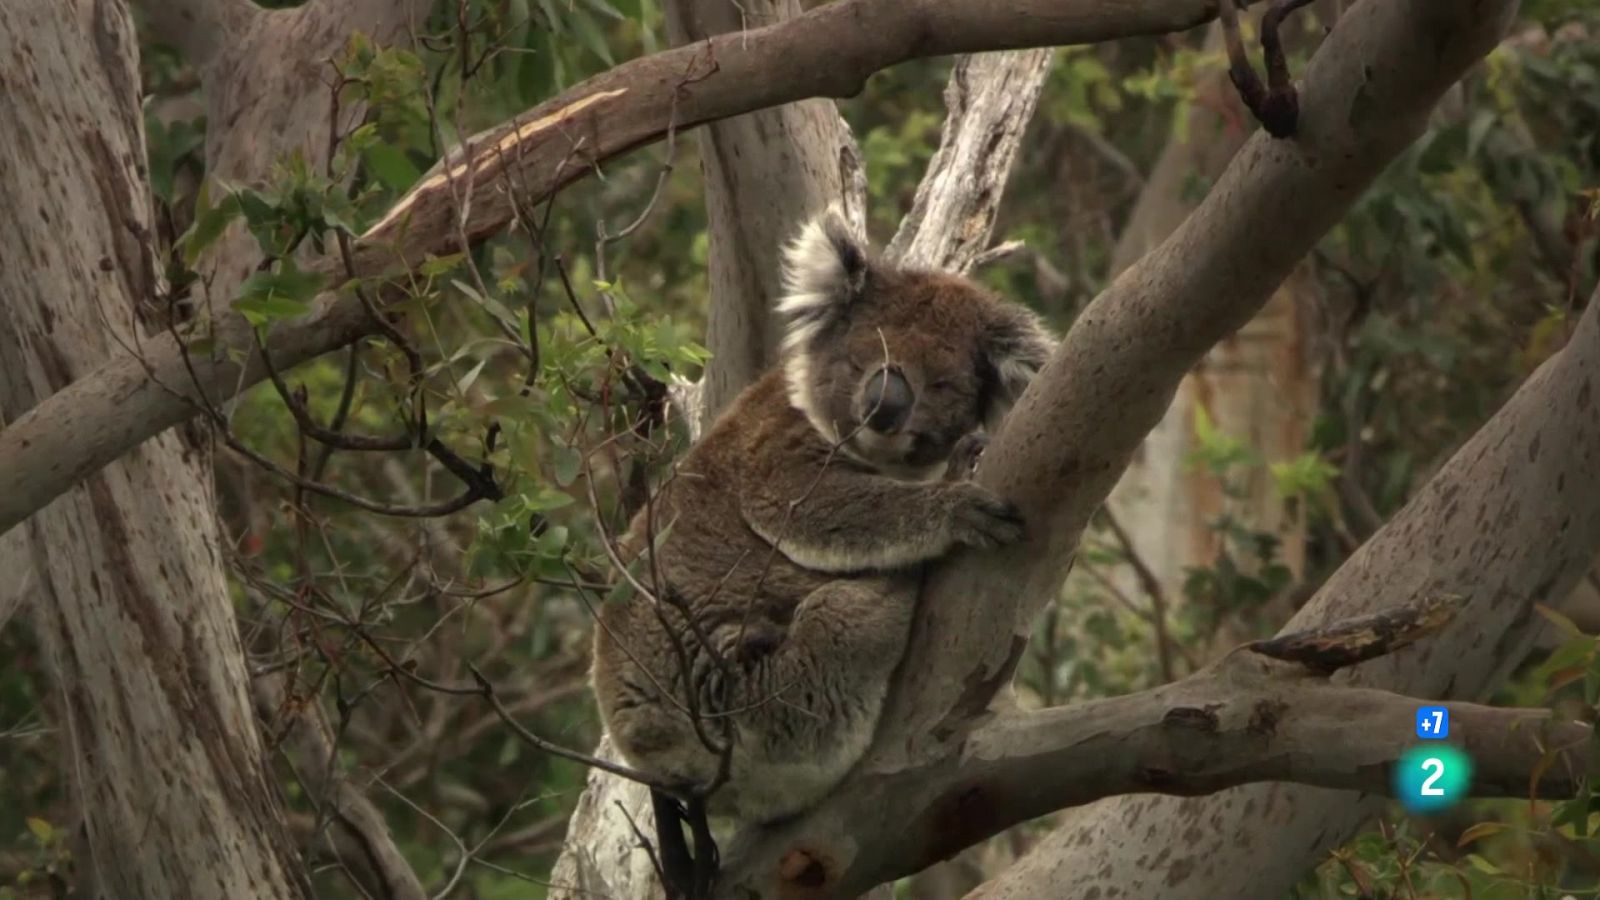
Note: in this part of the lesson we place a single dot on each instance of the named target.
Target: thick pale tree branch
(1368, 92)
(1232, 724)
(829, 51)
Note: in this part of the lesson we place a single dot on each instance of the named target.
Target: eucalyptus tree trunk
(764, 173)
(130, 604)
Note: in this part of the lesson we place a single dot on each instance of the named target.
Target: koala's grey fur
(792, 530)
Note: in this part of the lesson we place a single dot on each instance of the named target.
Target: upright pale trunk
(764, 172)
(167, 769)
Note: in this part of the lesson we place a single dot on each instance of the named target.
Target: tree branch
(1368, 91)
(1116, 371)
(360, 836)
(828, 51)
(1504, 503)
(1244, 719)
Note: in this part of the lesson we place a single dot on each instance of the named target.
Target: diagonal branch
(358, 833)
(828, 51)
(1368, 93)
(1505, 503)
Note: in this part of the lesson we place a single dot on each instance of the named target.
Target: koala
(782, 555)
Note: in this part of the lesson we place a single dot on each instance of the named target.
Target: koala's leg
(808, 711)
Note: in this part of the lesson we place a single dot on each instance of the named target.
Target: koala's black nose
(886, 400)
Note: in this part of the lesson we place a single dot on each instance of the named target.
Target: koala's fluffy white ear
(1017, 344)
(824, 271)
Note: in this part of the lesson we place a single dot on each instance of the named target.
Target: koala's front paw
(964, 456)
(981, 518)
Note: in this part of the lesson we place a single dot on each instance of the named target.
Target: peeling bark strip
(829, 51)
(1358, 640)
(480, 163)
(130, 606)
(990, 98)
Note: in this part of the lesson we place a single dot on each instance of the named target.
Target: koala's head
(896, 364)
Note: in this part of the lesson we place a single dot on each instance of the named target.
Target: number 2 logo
(1436, 766)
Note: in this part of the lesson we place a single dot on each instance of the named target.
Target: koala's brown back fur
(794, 529)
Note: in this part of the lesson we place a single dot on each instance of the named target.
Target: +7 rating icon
(1433, 722)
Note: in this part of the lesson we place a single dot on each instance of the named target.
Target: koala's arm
(841, 519)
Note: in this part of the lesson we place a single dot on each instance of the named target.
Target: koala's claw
(984, 520)
(964, 456)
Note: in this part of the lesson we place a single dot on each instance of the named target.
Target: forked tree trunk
(131, 608)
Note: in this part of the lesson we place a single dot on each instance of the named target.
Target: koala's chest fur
(784, 550)
(705, 552)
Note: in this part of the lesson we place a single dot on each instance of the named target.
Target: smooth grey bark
(278, 54)
(1259, 384)
(163, 758)
(764, 172)
(1506, 523)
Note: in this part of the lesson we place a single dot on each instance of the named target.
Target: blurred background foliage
(542, 352)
